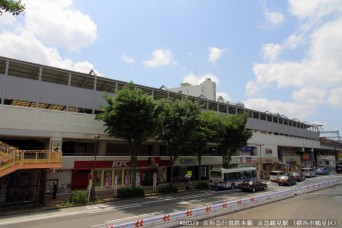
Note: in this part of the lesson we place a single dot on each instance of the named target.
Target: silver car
(308, 172)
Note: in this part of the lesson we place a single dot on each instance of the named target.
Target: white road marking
(128, 218)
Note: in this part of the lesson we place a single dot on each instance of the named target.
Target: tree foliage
(177, 122)
(202, 136)
(234, 135)
(12, 6)
(130, 115)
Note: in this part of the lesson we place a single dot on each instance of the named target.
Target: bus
(221, 178)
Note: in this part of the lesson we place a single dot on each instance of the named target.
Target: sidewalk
(104, 196)
(108, 195)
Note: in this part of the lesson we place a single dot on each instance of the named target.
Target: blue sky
(278, 56)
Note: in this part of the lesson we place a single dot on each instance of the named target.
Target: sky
(278, 56)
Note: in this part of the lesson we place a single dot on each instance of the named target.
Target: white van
(308, 172)
(274, 175)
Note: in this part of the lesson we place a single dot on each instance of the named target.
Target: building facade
(46, 108)
(206, 89)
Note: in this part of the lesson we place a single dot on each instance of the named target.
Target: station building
(47, 116)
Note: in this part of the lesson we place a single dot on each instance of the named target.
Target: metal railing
(225, 207)
(26, 158)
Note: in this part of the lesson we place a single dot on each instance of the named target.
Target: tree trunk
(133, 147)
(171, 174)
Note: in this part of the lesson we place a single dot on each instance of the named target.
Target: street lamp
(260, 161)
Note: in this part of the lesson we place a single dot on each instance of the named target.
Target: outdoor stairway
(12, 159)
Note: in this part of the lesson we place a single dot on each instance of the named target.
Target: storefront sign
(244, 159)
(246, 149)
(187, 161)
(121, 164)
(340, 156)
(56, 146)
(305, 157)
(268, 151)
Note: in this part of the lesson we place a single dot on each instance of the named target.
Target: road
(319, 206)
(102, 215)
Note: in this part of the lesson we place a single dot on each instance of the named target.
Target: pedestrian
(55, 189)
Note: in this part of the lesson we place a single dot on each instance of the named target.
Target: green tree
(177, 121)
(130, 115)
(14, 7)
(232, 135)
(202, 136)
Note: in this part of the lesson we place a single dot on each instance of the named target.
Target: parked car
(252, 185)
(286, 179)
(299, 176)
(308, 172)
(339, 169)
(274, 175)
(322, 171)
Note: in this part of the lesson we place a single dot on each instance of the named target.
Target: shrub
(201, 185)
(169, 188)
(130, 192)
(78, 197)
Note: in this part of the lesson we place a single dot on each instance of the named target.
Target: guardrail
(224, 207)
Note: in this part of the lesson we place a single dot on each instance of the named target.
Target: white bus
(221, 178)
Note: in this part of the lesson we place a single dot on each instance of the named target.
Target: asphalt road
(324, 206)
(102, 215)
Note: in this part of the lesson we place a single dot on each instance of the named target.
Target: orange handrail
(31, 158)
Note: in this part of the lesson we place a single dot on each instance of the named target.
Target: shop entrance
(147, 176)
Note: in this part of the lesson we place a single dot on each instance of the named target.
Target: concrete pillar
(101, 148)
(56, 143)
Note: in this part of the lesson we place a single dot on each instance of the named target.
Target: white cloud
(160, 58)
(57, 23)
(309, 96)
(314, 9)
(335, 98)
(251, 89)
(293, 41)
(196, 80)
(275, 18)
(127, 58)
(271, 51)
(308, 79)
(26, 38)
(215, 53)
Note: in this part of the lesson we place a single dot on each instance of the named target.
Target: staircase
(12, 159)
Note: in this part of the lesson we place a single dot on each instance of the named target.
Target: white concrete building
(207, 89)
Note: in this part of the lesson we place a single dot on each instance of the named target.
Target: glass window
(127, 177)
(108, 179)
(97, 178)
(118, 173)
(215, 174)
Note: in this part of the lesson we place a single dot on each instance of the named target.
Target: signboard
(246, 149)
(246, 159)
(340, 156)
(305, 157)
(56, 146)
(187, 161)
(119, 164)
(268, 151)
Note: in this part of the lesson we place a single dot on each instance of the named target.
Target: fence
(225, 207)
